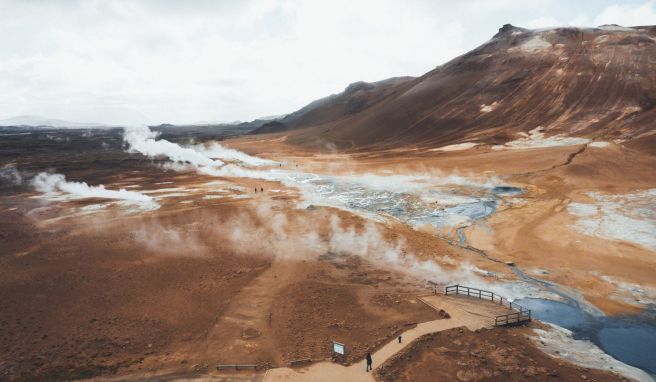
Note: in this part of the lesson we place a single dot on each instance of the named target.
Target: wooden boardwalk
(518, 314)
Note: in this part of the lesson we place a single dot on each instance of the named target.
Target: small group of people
(261, 189)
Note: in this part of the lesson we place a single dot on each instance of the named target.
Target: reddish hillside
(594, 82)
(357, 97)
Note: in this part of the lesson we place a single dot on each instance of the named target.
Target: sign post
(339, 352)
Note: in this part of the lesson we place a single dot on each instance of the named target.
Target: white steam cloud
(216, 151)
(143, 140)
(11, 176)
(208, 159)
(49, 183)
(277, 234)
(371, 245)
(270, 231)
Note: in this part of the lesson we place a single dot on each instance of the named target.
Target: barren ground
(124, 293)
(482, 355)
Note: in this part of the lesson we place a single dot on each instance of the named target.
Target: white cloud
(628, 14)
(119, 61)
(631, 14)
(543, 22)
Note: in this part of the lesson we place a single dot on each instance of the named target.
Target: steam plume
(49, 183)
(142, 139)
(9, 175)
(215, 150)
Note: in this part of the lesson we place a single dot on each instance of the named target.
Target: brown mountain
(591, 82)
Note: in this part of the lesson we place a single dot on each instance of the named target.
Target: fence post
(510, 305)
(479, 293)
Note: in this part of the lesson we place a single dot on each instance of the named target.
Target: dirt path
(249, 313)
(472, 313)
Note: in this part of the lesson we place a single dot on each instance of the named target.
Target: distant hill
(271, 127)
(355, 98)
(203, 131)
(37, 121)
(592, 82)
(201, 128)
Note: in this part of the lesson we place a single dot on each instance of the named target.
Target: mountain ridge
(591, 82)
(39, 121)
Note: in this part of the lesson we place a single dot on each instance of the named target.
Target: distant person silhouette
(262, 189)
(399, 339)
(256, 190)
(369, 362)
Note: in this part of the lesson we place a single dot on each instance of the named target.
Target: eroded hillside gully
(448, 205)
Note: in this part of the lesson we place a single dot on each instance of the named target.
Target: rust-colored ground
(482, 355)
(112, 292)
(538, 234)
(118, 293)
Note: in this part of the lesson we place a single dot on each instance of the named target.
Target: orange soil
(536, 235)
(482, 355)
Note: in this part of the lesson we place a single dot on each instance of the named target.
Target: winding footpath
(472, 313)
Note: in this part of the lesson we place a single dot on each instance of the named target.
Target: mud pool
(407, 200)
(630, 339)
(507, 190)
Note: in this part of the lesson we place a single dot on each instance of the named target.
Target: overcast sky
(176, 61)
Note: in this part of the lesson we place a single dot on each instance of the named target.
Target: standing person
(399, 339)
(261, 189)
(369, 362)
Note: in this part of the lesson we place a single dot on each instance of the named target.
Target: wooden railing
(523, 315)
(520, 315)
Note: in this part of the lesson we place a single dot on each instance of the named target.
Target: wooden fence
(520, 314)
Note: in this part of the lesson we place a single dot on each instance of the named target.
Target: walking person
(369, 362)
